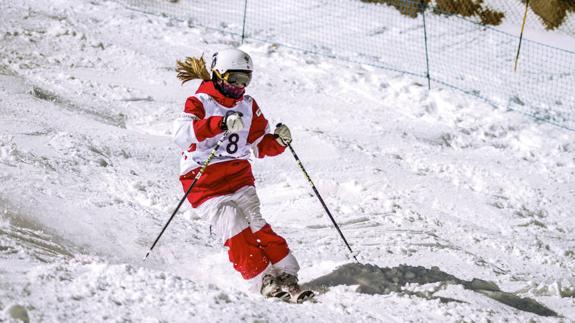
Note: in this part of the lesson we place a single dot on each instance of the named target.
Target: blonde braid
(192, 68)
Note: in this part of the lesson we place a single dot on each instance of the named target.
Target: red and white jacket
(197, 131)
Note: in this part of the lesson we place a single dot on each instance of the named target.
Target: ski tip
(146, 256)
(305, 296)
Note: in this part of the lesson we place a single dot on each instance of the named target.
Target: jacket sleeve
(262, 141)
(193, 127)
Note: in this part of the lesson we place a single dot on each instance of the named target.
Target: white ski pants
(253, 247)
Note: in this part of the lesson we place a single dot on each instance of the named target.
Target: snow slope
(424, 178)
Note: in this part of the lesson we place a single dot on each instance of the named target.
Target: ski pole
(198, 175)
(319, 197)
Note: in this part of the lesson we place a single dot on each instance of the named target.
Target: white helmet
(231, 60)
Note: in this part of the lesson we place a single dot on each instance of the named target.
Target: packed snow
(424, 184)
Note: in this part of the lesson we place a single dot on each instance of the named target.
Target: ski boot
(289, 283)
(271, 289)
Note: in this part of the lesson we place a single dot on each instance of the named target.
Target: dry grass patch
(465, 8)
(470, 8)
(410, 8)
(552, 12)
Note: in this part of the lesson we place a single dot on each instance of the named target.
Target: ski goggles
(237, 78)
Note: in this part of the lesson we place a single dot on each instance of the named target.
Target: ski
(303, 296)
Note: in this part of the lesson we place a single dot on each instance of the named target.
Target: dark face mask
(230, 90)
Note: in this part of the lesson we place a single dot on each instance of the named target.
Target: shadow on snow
(375, 280)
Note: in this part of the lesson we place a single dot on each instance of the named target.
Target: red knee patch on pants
(245, 254)
(274, 246)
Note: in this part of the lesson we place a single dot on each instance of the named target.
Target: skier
(225, 193)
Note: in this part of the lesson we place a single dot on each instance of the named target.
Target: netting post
(422, 6)
(521, 35)
(244, 23)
